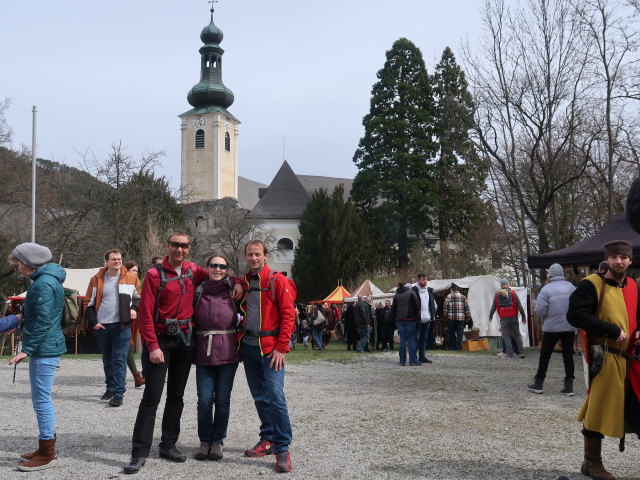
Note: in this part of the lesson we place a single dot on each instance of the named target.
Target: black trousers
(549, 340)
(175, 368)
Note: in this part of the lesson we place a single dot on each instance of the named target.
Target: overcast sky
(100, 72)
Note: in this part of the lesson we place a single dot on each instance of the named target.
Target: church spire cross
(212, 2)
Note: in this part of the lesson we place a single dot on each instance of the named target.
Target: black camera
(173, 327)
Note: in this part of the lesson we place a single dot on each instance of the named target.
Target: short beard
(618, 277)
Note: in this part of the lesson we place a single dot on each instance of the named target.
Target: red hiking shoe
(283, 462)
(262, 448)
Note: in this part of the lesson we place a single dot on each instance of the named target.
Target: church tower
(209, 132)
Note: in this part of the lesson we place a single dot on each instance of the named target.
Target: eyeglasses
(221, 266)
(184, 246)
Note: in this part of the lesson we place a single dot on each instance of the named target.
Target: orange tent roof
(336, 296)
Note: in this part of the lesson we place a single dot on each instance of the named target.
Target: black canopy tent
(589, 251)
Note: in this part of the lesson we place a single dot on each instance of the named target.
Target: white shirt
(425, 314)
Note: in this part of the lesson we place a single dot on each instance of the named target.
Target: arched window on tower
(200, 138)
(227, 141)
(285, 250)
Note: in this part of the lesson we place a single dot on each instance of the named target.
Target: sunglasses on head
(184, 246)
(221, 266)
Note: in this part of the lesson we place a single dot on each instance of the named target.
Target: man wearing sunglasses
(166, 322)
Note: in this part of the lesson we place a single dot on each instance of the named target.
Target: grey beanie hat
(504, 281)
(32, 254)
(555, 270)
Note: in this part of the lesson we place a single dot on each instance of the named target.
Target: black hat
(618, 247)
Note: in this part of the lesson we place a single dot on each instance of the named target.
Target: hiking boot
(536, 386)
(44, 458)
(116, 401)
(262, 448)
(568, 387)
(283, 462)
(592, 464)
(216, 451)
(134, 465)
(203, 452)
(173, 454)
(107, 395)
(138, 379)
(424, 360)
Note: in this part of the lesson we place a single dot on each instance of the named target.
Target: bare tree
(6, 132)
(528, 83)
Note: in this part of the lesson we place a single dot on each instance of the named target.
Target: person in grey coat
(552, 306)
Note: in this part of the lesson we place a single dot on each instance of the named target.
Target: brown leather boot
(138, 378)
(592, 465)
(43, 459)
(29, 456)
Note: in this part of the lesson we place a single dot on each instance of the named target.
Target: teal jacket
(42, 334)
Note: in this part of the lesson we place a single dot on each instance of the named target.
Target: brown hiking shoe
(283, 462)
(216, 451)
(203, 452)
(262, 448)
(138, 379)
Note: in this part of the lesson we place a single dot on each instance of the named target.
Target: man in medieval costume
(606, 308)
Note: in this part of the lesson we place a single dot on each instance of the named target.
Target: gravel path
(465, 416)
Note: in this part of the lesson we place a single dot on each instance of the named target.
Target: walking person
(43, 342)
(217, 357)
(552, 305)
(138, 378)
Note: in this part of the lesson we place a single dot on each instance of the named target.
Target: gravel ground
(465, 416)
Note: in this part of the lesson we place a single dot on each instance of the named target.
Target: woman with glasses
(216, 358)
(43, 342)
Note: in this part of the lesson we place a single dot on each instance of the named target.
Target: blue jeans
(317, 337)
(407, 331)
(456, 332)
(363, 338)
(423, 330)
(41, 374)
(267, 389)
(114, 345)
(214, 386)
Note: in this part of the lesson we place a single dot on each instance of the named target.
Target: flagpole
(33, 177)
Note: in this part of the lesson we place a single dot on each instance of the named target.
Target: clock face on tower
(199, 122)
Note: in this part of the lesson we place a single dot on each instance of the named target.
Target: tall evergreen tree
(460, 172)
(335, 243)
(394, 184)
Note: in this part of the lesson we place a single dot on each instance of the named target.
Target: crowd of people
(188, 314)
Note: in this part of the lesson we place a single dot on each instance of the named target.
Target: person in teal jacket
(42, 341)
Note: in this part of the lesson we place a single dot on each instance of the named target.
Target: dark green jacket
(42, 334)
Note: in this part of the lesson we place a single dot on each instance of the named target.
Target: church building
(209, 162)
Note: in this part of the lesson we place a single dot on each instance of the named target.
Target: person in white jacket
(552, 305)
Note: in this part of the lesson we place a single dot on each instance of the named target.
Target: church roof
(248, 192)
(288, 194)
(285, 197)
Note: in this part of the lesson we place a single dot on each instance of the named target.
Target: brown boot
(29, 456)
(592, 465)
(138, 378)
(43, 459)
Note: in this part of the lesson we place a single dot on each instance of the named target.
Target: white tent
(480, 297)
(77, 279)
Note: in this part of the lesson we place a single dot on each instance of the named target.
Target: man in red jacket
(166, 325)
(269, 320)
